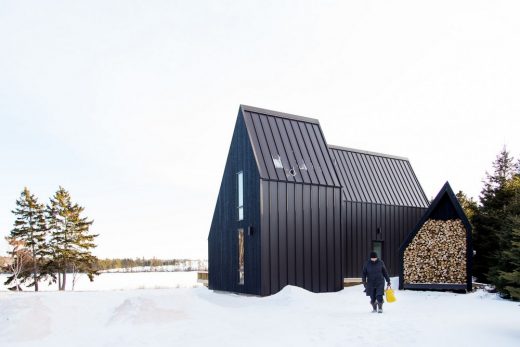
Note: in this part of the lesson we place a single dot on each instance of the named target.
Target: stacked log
(437, 254)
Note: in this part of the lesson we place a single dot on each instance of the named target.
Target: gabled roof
(445, 206)
(377, 178)
(289, 148)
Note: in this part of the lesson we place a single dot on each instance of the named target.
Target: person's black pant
(374, 297)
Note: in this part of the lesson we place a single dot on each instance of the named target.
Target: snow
(294, 317)
(123, 281)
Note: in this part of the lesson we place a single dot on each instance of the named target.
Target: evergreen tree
(30, 230)
(71, 242)
(506, 274)
(508, 279)
(468, 205)
(489, 221)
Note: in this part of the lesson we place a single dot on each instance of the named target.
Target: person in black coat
(374, 276)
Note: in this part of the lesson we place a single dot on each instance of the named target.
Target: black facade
(311, 212)
(223, 240)
(382, 201)
(444, 207)
(292, 208)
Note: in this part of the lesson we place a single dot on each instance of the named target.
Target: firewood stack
(437, 254)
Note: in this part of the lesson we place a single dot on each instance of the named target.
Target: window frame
(241, 256)
(240, 195)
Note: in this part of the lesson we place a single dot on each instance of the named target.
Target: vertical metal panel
(253, 136)
(289, 152)
(320, 155)
(291, 235)
(315, 165)
(297, 151)
(322, 232)
(345, 177)
(330, 238)
(377, 178)
(304, 152)
(325, 154)
(357, 177)
(282, 233)
(265, 238)
(299, 234)
(338, 239)
(389, 188)
(273, 236)
(315, 239)
(264, 148)
(279, 174)
(292, 138)
(361, 223)
(280, 150)
(307, 232)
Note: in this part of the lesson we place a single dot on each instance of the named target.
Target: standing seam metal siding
(223, 238)
(301, 237)
(296, 140)
(380, 193)
(377, 178)
(361, 223)
(296, 218)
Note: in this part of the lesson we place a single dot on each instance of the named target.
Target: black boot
(379, 307)
(374, 308)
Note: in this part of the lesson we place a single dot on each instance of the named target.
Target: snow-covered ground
(122, 281)
(293, 317)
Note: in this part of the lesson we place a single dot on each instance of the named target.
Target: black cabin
(292, 211)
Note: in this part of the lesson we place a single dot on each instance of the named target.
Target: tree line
(496, 227)
(49, 241)
(130, 263)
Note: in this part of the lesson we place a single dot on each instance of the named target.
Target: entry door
(377, 246)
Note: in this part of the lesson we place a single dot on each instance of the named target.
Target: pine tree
(70, 241)
(30, 230)
(508, 281)
(468, 205)
(490, 218)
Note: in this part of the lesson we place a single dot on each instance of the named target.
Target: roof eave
(278, 114)
(368, 152)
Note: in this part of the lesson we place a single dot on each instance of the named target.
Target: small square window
(277, 162)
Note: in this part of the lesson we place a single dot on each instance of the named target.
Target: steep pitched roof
(377, 178)
(289, 148)
(445, 206)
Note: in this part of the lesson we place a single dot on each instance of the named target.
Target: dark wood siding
(223, 236)
(304, 230)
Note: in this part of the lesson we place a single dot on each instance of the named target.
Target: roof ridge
(278, 114)
(378, 154)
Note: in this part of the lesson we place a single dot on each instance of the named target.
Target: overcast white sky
(130, 105)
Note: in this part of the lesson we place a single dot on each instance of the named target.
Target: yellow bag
(390, 297)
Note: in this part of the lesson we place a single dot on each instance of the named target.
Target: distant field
(123, 281)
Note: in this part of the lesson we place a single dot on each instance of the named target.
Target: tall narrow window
(240, 256)
(240, 184)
